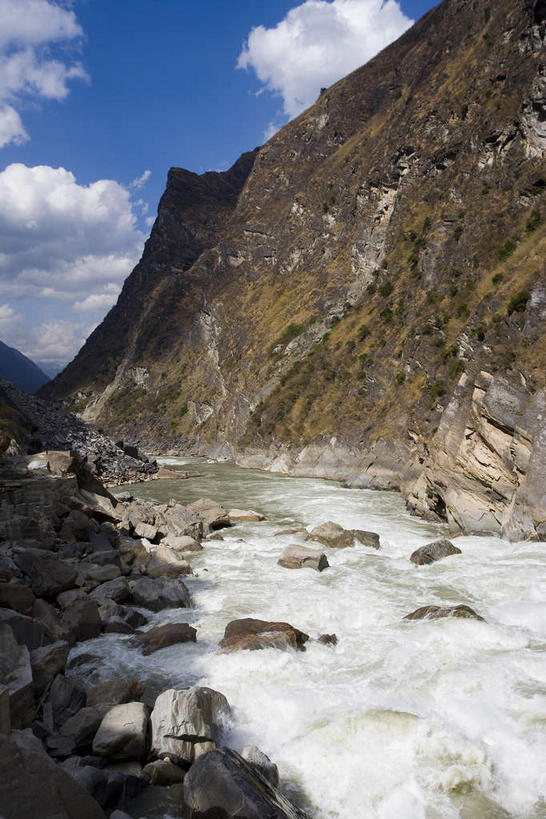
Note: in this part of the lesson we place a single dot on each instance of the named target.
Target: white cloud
(140, 181)
(54, 341)
(318, 43)
(30, 30)
(62, 239)
(67, 245)
(11, 127)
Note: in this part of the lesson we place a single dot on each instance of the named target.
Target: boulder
(47, 574)
(100, 507)
(299, 557)
(434, 551)
(65, 599)
(92, 575)
(165, 562)
(145, 530)
(77, 733)
(248, 633)
(262, 763)
(184, 721)
(16, 596)
(47, 662)
(27, 630)
(16, 676)
(51, 620)
(161, 593)
(122, 732)
(104, 696)
(32, 785)
(109, 788)
(162, 772)
(82, 619)
(125, 617)
(65, 699)
(370, 539)
(179, 521)
(76, 526)
(438, 612)
(163, 636)
(182, 543)
(223, 784)
(117, 590)
(333, 535)
(211, 513)
(237, 515)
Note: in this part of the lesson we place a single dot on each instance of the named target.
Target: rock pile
(76, 562)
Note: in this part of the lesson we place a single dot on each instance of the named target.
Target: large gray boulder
(160, 593)
(181, 543)
(211, 513)
(434, 551)
(28, 631)
(104, 696)
(187, 722)
(223, 784)
(261, 761)
(32, 785)
(249, 633)
(122, 732)
(16, 675)
(176, 520)
(48, 576)
(83, 620)
(117, 590)
(302, 557)
(47, 662)
(165, 562)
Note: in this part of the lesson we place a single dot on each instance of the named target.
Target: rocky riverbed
(161, 655)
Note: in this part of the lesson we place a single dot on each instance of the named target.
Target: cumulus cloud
(62, 239)
(30, 31)
(318, 43)
(67, 247)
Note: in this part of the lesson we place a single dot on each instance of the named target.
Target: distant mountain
(50, 368)
(20, 370)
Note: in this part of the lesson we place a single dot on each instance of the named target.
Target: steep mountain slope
(373, 307)
(20, 370)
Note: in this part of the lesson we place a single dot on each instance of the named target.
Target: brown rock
(47, 662)
(163, 636)
(162, 772)
(438, 612)
(333, 535)
(370, 539)
(211, 513)
(248, 633)
(16, 596)
(236, 515)
(299, 557)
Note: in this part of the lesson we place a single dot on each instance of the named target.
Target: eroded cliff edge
(364, 297)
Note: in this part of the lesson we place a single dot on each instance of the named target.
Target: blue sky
(98, 98)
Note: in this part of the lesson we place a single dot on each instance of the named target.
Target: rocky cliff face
(363, 298)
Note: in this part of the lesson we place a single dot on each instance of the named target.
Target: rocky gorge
(362, 297)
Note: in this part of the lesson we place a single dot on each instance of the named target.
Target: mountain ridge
(20, 369)
(373, 298)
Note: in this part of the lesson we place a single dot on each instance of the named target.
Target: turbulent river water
(400, 720)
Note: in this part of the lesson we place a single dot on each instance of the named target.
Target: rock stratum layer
(364, 296)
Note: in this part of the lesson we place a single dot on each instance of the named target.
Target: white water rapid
(402, 719)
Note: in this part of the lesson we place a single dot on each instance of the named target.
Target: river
(402, 719)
